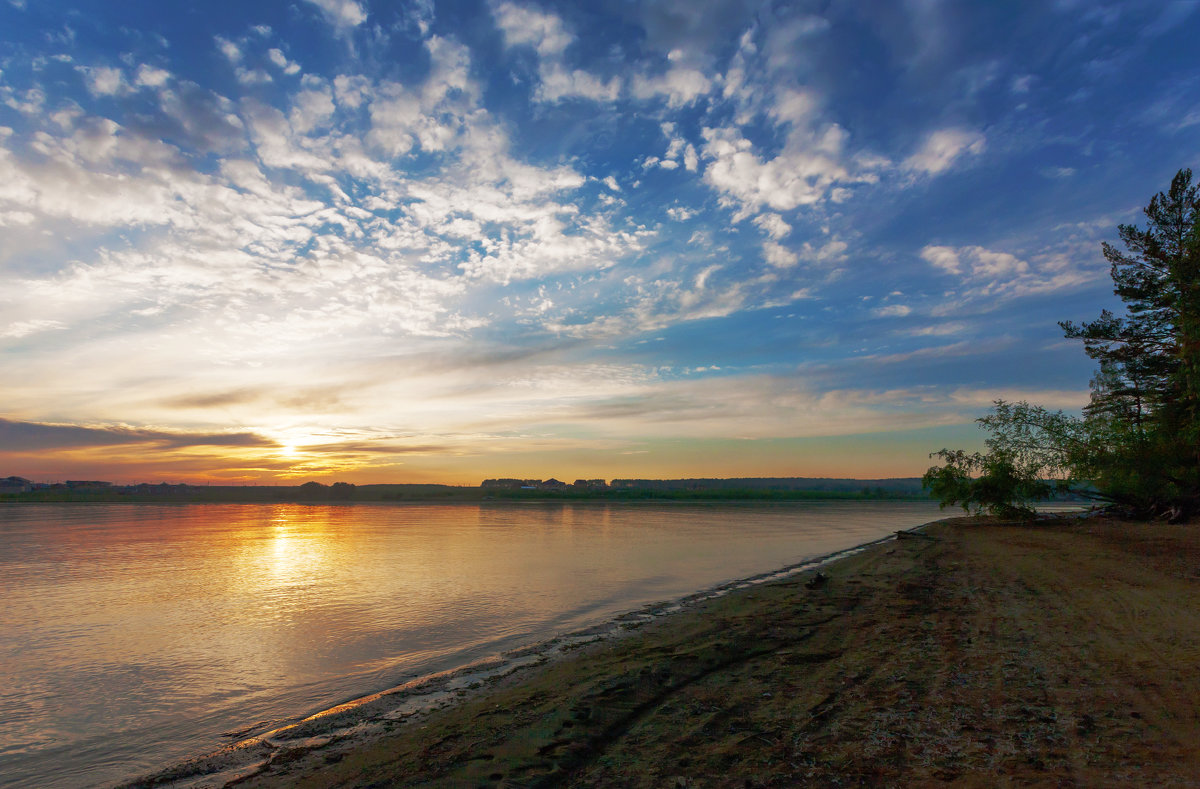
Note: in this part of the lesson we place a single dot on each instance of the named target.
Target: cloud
(977, 262)
(1058, 172)
(987, 274)
(523, 26)
(943, 148)
(773, 225)
(943, 258)
(18, 436)
(679, 85)
(832, 251)
(778, 255)
(150, 77)
(196, 117)
(1050, 398)
(801, 174)
(560, 83)
(344, 15)
(279, 59)
(104, 80)
(21, 329)
(215, 399)
(938, 329)
(231, 51)
(892, 311)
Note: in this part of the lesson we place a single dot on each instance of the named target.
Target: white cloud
(560, 83)
(679, 85)
(524, 26)
(939, 329)
(311, 108)
(994, 265)
(230, 50)
(981, 263)
(33, 102)
(611, 183)
(279, 59)
(151, 77)
(690, 160)
(254, 76)
(892, 311)
(943, 148)
(989, 274)
(778, 255)
(773, 225)
(832, 251)
(103, 80)
(21, 329)
(801, 174)
(342, 14)
(943, 258)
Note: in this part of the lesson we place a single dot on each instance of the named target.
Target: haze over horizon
(342, 240)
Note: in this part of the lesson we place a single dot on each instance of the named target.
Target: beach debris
(817, 581)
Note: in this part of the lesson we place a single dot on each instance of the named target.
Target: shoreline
(369, 716)
(1052, 653)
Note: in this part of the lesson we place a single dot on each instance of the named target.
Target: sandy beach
(985, 654)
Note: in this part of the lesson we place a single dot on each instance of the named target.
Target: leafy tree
(1138, 443)
(1031, 457)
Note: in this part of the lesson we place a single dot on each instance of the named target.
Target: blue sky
(448, 240)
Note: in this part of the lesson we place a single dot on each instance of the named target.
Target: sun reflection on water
(284, 561)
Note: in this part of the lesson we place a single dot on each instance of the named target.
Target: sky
(442, 241)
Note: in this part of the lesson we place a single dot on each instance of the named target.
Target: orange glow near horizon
(873, 456)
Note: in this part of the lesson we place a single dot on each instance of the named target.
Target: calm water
(132, 636)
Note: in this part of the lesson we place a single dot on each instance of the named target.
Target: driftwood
(817, 581)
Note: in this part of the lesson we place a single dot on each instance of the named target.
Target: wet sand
(989, 655)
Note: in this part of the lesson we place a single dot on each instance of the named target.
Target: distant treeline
(865, 487)
(743, 489)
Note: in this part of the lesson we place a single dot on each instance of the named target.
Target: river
(134, 635)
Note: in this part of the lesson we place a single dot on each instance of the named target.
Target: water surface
(133, 635)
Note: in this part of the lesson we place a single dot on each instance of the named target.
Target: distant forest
(742, 489)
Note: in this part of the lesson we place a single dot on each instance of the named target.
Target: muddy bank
(991, 655)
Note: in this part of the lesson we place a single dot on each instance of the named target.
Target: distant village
(10, 485)
(548, 484)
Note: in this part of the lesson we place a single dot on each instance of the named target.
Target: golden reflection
(279, 556)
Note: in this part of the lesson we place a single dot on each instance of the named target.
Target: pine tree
(1148, 386)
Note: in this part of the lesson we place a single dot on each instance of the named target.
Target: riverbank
(1051, 654)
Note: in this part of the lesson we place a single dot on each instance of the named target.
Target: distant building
(10, 485)
(87, 484)
(504, 483)
(553, 484)
(591, 484)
